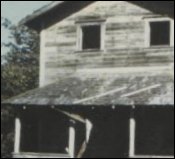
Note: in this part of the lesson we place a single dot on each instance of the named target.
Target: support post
(89, 127)
(132, 137)
(72, 139)
(17, 135)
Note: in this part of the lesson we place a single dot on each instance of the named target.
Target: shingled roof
(153, 90)
(58, 10)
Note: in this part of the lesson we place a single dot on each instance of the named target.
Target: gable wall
(125, 52)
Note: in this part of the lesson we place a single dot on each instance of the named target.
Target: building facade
(106, 82)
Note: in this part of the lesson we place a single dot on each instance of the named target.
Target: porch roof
(114, 90)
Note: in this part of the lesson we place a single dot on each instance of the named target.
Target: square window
(91, 37)
(160, 33)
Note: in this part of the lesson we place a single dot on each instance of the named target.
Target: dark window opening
(91, 37)
(155, 132)
(29, 135)
(45, 132)
(160, 33)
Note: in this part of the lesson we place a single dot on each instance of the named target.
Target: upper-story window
(159, 32)
(91, 35)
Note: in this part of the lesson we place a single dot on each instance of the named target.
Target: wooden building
(106, 82)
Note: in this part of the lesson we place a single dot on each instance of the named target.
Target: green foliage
(19, 73)
(7, 132)
(16, 79)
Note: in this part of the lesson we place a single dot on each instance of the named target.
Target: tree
(19, 73)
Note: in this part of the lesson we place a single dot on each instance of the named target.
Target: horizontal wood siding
(124, 42)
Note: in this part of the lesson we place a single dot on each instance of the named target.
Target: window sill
(151, 156)
(39, 155)
(90, 51)
(159, 46)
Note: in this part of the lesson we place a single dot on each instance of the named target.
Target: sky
(15, 11)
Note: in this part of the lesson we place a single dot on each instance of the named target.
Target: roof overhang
(54, 12)
(58, 10)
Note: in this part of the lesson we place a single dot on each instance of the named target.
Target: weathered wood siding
(124, 43)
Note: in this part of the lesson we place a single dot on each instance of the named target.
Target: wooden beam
(132, 125)
(89, 127)
(72, 116)
(100, 95)
(141, 90)
(83, 148)
(17, 135)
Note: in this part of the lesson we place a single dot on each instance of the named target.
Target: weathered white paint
(171, 70)
(124, 70)
(103, 36)
(72, 140)
(132, 128)
(42, 58)
(172, 33)
(79, 38)
(141, 90)
(123, 44)
(147, 33)
(17, 135)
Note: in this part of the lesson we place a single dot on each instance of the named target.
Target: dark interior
(160, 33)
(155, 131)
(91, 37)
(110, 135)
(29, 133)
(45, 131)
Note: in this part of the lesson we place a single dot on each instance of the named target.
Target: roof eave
(35, 21)
(38, 13)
